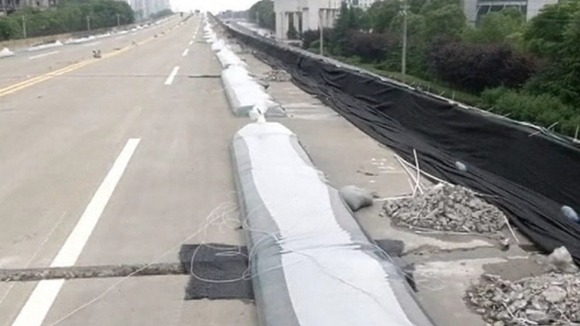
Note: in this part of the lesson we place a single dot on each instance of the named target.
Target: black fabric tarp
(530, 175)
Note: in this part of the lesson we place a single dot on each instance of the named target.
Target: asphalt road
(117, 160)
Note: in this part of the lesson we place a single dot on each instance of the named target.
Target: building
(306, 15)
(365, 4)
(475, 9)
(144, 8)
(8, 6)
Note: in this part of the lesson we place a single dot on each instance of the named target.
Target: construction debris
(446, 208)
(277, 76)
(561, 261)
(549, 299)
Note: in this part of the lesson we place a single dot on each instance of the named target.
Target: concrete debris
(549, 299)
(355, 197)
(446, 208)
(560, 260)
(277, 76)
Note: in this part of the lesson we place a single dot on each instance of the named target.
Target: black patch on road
(393, 248)
(219, 272)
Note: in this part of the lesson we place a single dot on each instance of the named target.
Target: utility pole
(404, 50)
(321, 26)
(24, 26)
(89, 24)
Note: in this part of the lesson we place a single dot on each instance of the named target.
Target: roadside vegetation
(528, 71)
(69, 16)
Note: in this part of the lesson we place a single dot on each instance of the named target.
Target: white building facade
(309, 14)
(475, 9)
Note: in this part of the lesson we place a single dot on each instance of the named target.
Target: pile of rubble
(446, 208)
(277, 76)
(550, 299)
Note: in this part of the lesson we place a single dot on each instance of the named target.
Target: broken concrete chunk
(549, 299)
(277, 76)
(355, 197)
(561, 260)
(446, 208)
(554, 294)
(536, 315)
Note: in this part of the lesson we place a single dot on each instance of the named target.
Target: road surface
(138, 154)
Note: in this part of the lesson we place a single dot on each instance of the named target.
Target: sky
(211, 5)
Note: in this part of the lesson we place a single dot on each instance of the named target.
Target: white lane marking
(190, 42)
(172, 75)
(93, 43)
(42, 55)
(185, 52)
(43, 296)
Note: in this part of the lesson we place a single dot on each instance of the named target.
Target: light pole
(24, 26)
(89, 24)
(118, 20)
(404, 50)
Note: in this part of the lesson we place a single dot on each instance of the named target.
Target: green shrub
(544, 109)
(8, 29)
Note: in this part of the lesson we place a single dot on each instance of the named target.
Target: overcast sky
(212, 5)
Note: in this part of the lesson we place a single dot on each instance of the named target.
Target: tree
(477, 67)
(555, 36)
(445, 22)
(382, 13)
(369, 47)
(498, 27)
(263, 11)
(416, 45)
(345, 23)
(433, 5)
(545, 33)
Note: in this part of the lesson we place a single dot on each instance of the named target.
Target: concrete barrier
(311, 262)
(244, 94)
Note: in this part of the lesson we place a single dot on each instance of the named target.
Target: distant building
(304, 15)
(365, 4)
(144, 8)
(8, 6)
(475, 9)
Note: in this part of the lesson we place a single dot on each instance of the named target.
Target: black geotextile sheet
(530, 175)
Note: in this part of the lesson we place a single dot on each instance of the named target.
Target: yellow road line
(39, 79)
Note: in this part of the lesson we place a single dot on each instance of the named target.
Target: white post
(321, 27)
(24, 26)
(404, 52)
